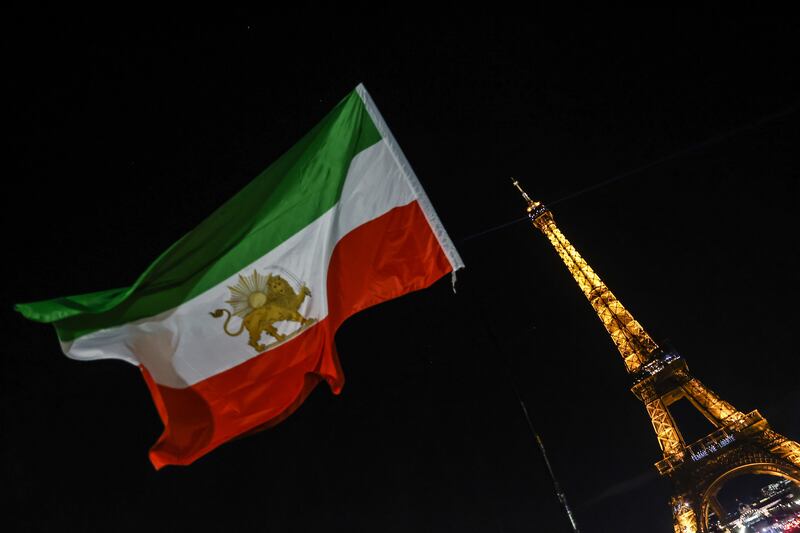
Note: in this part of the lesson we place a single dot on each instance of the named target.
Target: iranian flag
(233, 325)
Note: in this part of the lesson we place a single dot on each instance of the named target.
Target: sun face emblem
(248, 294)
(261, 301)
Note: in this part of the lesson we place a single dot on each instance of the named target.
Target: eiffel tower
(741, 443)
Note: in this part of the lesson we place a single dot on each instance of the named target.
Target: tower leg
(684, 517)
(713, 502)
(718, 411)
(669, 438)
(782, 447)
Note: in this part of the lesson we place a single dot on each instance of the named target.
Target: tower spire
(632, 341)
(740, 443)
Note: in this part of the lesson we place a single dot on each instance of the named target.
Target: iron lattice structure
(740, 443)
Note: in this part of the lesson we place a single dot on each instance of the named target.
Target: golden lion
(279, 303)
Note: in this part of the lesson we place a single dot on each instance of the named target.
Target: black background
(125, 135)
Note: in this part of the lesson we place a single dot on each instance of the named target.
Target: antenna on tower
(516, 184)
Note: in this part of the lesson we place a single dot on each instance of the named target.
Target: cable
(708, 142)
(711, 140)
(495, 228)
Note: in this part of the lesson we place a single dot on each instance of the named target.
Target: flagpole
(562, 498)
(559, 493)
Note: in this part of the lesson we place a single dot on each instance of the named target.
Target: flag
(233, 325)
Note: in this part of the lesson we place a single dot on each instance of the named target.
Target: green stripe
(294, 191)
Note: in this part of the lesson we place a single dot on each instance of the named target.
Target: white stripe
(185, 345)
(408, 174)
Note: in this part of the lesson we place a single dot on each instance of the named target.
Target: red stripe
(385, 258)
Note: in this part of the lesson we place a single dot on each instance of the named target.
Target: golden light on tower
(741, 443)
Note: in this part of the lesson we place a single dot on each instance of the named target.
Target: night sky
(124, 137)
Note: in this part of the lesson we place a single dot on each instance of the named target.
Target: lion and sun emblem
(260, 301)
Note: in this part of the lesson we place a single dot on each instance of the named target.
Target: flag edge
(411, 178)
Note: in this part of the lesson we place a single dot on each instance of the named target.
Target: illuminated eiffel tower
(740, 443)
